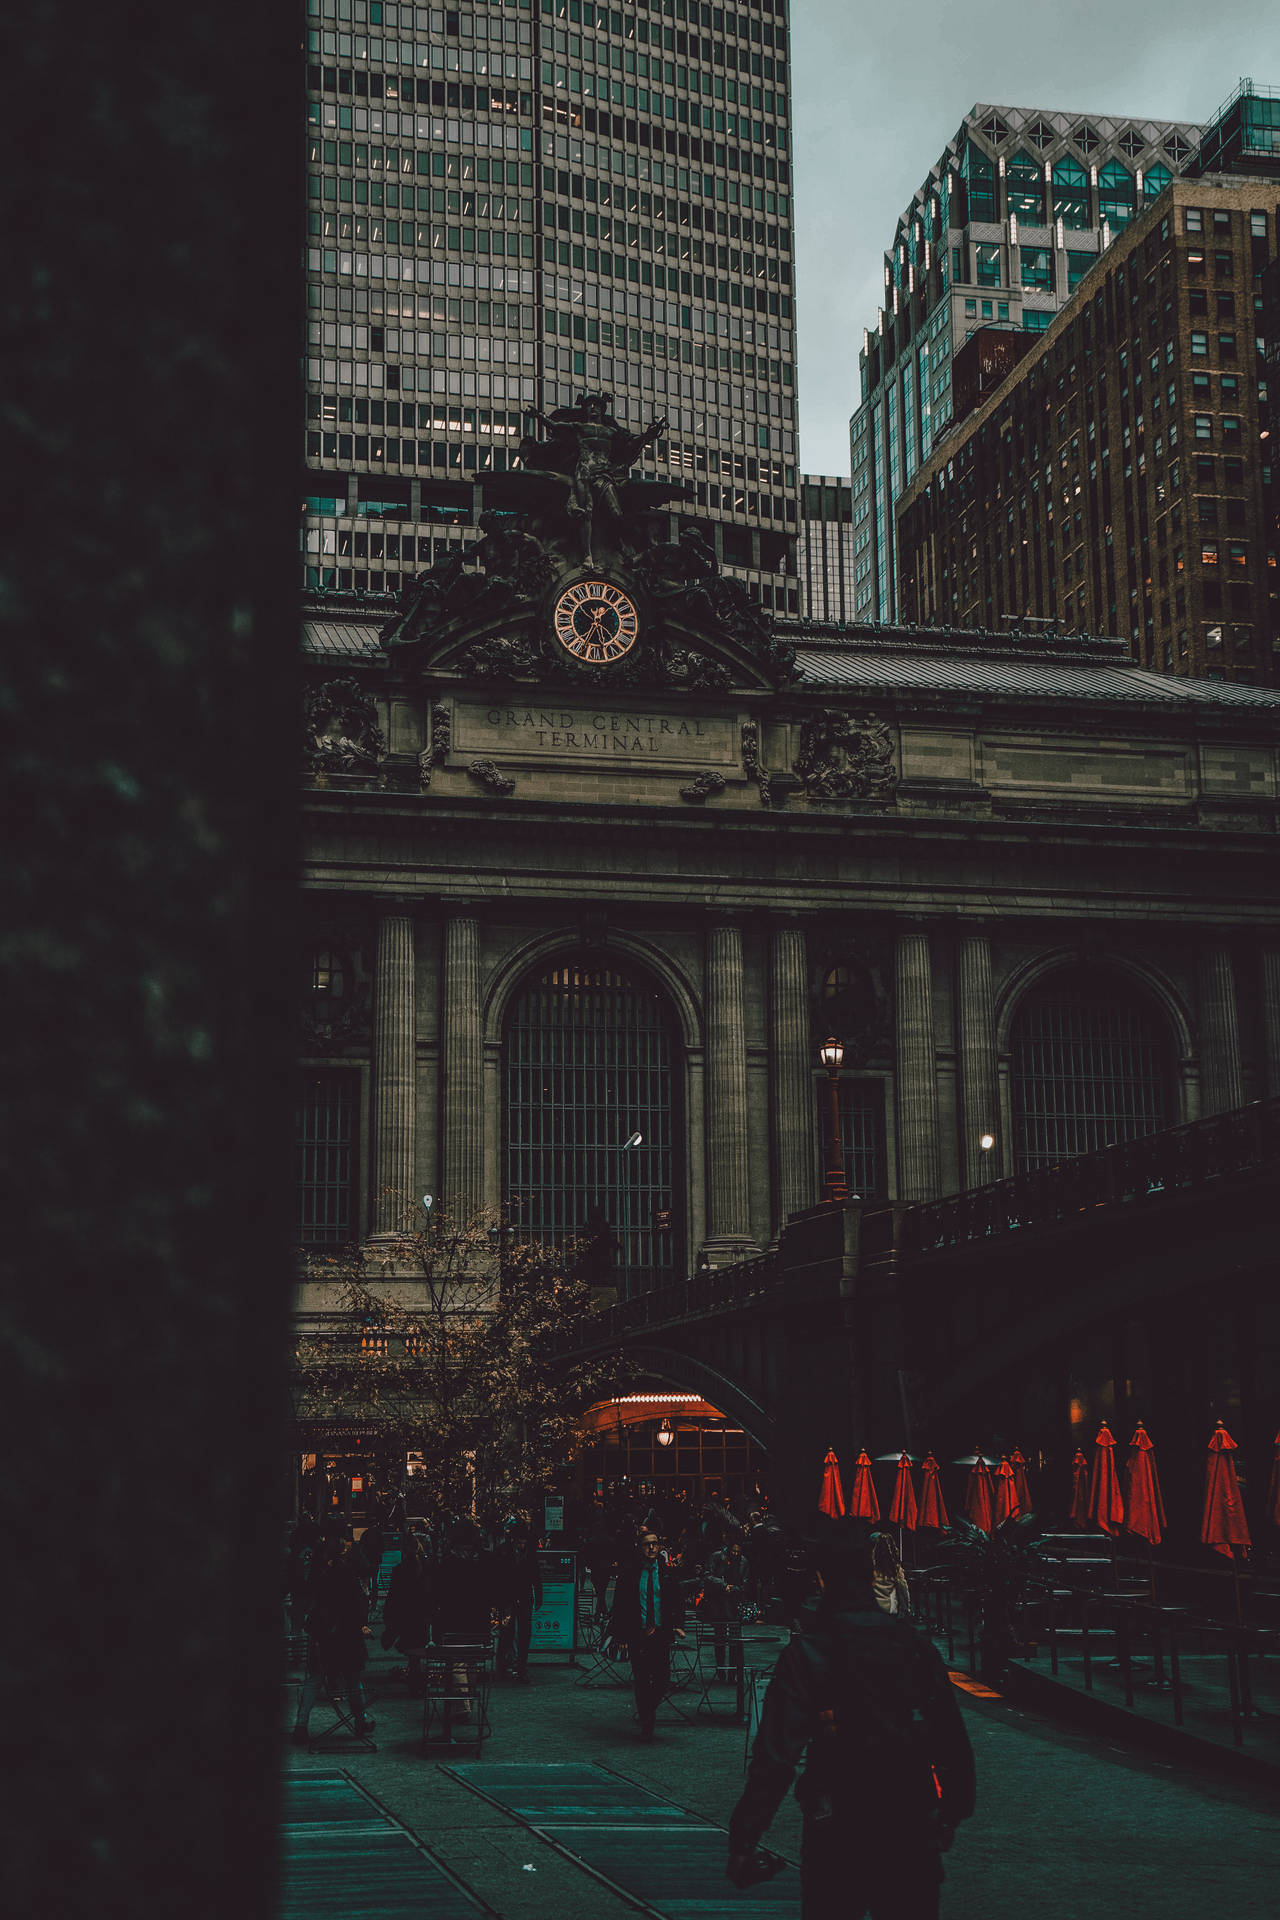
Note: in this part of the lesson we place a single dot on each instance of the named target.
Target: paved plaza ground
(1069, 1823)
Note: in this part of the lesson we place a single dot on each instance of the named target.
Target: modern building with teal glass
(1007, 223)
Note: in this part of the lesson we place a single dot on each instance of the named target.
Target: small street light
(831, 1054)
(664, 1435)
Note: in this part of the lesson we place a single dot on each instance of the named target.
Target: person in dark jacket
(463, 1592)
(648, 1614)
(600, 1555)
(888, 1770)
(406, 1615)
(335, 1626)
(724, 1588)
(519, 1593)
(372, 1544)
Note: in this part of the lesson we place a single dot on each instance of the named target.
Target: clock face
(596, 622)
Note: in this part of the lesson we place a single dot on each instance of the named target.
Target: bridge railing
(711, 1290)
(1135, 1172)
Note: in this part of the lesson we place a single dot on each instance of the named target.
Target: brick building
(1120, 480)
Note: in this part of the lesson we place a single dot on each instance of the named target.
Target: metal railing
(1178, 1160)
(710, 1291)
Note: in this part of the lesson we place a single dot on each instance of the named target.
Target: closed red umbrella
(904, 1505)
(863, 1504)
(1106, 1507)
(1223, 1525)
(1017, 1460)
(1144, 1508)
(932, 1511)
(1079, 1514)
(1006, 1491)
(1273, 1491)
(979, 1498)
(831, 1499)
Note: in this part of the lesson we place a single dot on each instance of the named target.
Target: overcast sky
(878, 91)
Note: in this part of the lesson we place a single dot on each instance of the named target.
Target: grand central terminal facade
(597, 858)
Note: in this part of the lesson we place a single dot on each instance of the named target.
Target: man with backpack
(888, 1766)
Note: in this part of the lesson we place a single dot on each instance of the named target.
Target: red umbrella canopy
(932, 1511)
(863, 1504)
(1017, 1460)
(979, 1499)
(1273, 1491)
(1079, 1490)
(1006, 1491)
(1223, 1525)
(903, 1507)
(1145, 1508)
(1106, 1507)
(831, 1498)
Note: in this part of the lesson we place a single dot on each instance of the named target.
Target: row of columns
(729, 1228)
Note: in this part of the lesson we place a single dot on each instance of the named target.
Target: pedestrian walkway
(341, 1854)
(647, 1848)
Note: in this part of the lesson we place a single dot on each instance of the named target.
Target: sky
(878, 92)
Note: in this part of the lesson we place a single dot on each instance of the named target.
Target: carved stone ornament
(751, 760)
(571, 512)
(491, 776)
(436, 751)
(703, 788)
(845, 757)
(340, 731)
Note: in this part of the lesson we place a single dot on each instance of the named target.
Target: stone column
(976, 1047)
(791, 1071)
(728, 1236)
(394, 1091)
(917, 1084)
(462, 1055)
(1221, 1084)
(1271, 1021)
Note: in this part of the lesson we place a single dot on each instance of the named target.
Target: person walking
(336, 1653)
(599, 1553)
(463, 1592)
(406, 1614)
(867, 1700)
(519, 1595)
(648, 1614)
(724, 1588)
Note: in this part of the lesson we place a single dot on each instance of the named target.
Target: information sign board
(555, 1621)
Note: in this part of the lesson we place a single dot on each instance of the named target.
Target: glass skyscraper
(1011, 217)
(511, 202)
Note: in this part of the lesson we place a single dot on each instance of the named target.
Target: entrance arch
(589, 1063)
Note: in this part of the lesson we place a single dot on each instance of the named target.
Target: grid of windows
(328, 1133)
(509, 203)
(862, 1134)
(1087, 1071)
(589, 1066)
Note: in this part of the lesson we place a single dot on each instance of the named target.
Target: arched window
(1026, 188)
(1089, 1068)
(1070, 193)
(588, 1065)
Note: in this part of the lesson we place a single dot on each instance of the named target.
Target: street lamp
(986, 1142)
(664, 1435)
(831, 1054)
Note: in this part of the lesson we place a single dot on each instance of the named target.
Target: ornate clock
(595, 621)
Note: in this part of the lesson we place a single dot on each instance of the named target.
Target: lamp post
(831, 1054)
(986, 1145)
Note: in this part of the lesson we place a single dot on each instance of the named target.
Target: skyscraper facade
(1009, 220)
(510, 202)
(825, 547)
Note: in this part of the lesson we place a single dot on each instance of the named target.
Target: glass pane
(588, 1063)
(328, 1110)
(1089, 1069)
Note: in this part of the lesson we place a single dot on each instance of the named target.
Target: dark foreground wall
(146, 556)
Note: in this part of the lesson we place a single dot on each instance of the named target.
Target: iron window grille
(588, 1062)
(1088, 1070)
(327, 1132)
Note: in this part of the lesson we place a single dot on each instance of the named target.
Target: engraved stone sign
(593, 735)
